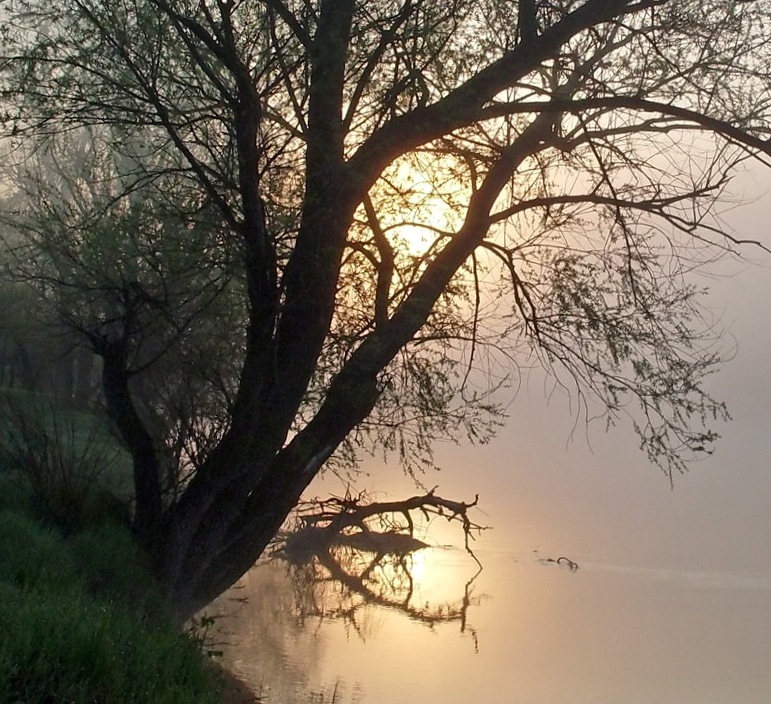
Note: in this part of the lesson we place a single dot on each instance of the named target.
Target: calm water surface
(525, 630)
(671, 604)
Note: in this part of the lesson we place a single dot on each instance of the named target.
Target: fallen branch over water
(377, 526)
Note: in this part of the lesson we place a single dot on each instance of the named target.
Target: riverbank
(80, 619)
(80, 624)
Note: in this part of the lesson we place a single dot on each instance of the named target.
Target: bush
(64, 461)
(14, 493)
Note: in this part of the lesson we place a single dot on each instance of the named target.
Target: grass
(79, 624)
(80, 618)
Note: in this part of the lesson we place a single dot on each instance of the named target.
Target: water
(671, 604)
(522, 630)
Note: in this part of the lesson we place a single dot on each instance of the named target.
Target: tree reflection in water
(344, 582)
(347, 561)
(347, 557)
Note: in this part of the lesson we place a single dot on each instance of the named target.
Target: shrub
(59, 459)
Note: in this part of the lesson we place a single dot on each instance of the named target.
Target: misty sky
(596, 496)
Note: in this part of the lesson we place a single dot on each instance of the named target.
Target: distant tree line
(42, 355)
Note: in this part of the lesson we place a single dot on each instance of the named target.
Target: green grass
(81, 621)
(66, 647)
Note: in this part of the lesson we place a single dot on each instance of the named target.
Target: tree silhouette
(224, 196)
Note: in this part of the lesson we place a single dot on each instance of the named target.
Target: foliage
(67, 638)
(65, 461)
(297, 231)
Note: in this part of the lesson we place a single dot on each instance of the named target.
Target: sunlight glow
(419, 567)
(420, 202)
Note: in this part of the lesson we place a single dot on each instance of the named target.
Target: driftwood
(571, 564)
(385, 527)
(348, 553)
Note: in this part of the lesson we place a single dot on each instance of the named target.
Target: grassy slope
(79, 619)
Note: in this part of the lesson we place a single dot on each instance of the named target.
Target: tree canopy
(294, 230)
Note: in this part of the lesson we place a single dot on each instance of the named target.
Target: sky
(546, 483)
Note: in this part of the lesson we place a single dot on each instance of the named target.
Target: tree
(380, 200)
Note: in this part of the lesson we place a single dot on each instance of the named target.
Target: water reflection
(278, 623)
(346, 582)
(270, 647)
(372, 615)
(608, 632)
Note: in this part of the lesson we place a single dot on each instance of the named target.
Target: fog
(671, 601)
(549, 482)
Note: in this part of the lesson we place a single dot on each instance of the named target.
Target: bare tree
(389, 201)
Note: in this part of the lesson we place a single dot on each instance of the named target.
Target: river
(524, 630)
(671, 603)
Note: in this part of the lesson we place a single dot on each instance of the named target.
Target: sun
(419, 202)
(415, 239)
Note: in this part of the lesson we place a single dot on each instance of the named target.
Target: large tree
(297, 228)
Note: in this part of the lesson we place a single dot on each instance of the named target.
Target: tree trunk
(84, 367)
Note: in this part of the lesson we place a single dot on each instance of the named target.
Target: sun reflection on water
(341, 594)
(347, 583)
